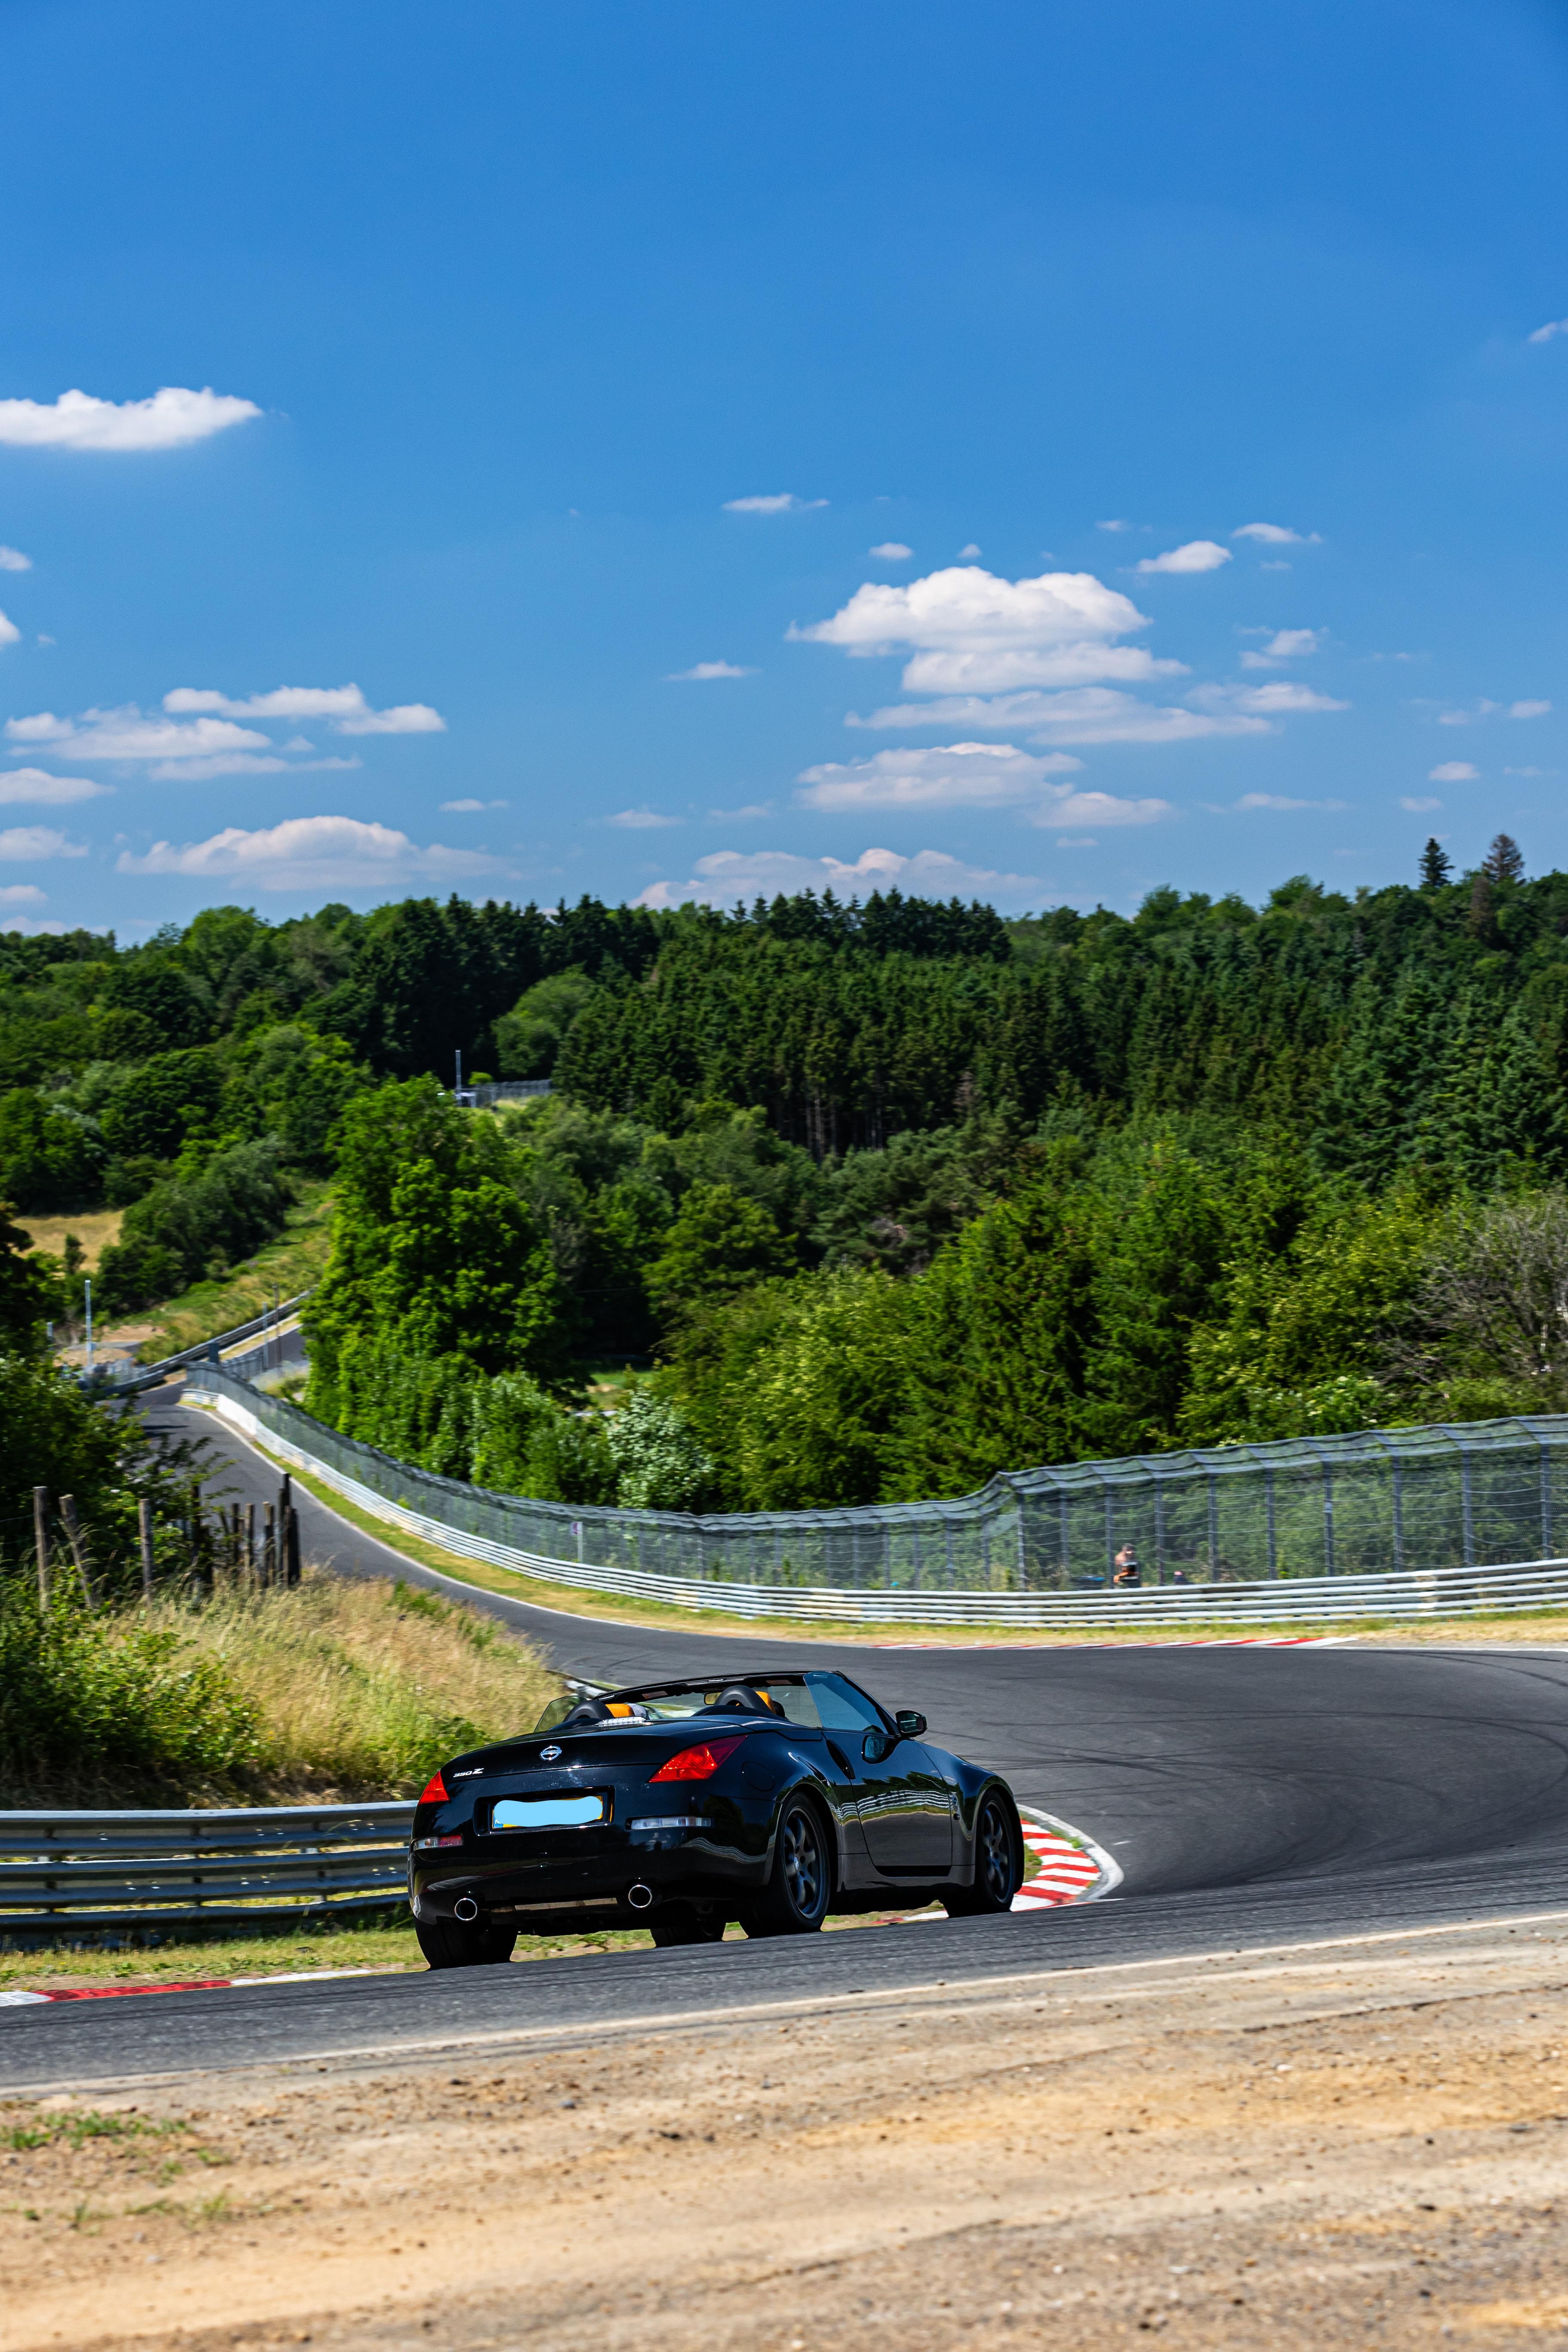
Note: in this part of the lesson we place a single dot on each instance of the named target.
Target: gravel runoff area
(1358, 2142)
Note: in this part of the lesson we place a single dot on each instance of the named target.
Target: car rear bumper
(593, 1888)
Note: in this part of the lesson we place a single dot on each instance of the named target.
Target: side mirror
(910, 1724)
(875, 1746)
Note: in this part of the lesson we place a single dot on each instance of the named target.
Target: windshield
(817, 1701)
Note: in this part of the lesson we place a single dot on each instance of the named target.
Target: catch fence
(1423, 1511)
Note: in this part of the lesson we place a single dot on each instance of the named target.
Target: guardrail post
(41, 1541)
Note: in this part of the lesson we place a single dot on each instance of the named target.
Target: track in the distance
(1251, 1796)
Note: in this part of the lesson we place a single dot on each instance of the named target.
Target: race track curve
(1252, 1797)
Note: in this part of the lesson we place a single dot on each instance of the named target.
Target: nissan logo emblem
(548, 1754)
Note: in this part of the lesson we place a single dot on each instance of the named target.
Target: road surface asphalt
(1253, 1796)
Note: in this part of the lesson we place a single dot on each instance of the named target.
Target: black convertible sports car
(770, 1799)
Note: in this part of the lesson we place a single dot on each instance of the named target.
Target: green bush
(188, 1227)
(84, 1696)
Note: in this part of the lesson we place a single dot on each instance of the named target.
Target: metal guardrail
(206, 1352)
(1509, 1586)
(65, 1873)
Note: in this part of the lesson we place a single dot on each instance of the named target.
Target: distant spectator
(1128, 1572)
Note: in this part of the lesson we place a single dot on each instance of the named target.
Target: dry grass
(361, 1689)
(94, 1229)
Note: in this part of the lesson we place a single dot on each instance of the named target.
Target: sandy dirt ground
(1356, 2144)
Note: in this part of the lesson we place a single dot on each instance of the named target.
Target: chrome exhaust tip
(641, 1897)
(465, 1908)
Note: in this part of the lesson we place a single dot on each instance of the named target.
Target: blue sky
(506, 312)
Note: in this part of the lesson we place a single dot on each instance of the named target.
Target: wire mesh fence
(1427, 1498)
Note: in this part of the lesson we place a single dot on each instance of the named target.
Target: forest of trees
(888, 1196)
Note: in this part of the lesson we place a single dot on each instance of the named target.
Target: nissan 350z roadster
(770, 1799)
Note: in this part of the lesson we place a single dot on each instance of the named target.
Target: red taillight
(434, 1789)
(696, 1763)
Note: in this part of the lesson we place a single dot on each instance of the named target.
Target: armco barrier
(66, 1873)
(1509, 1585)
(126, 1380)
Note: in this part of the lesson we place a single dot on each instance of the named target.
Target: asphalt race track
(1252, 1797)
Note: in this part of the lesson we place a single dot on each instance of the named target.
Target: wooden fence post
(292, 1547)
(144, 1528)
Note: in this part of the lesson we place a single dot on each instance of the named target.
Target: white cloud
(12, 559)
(701, 672)
(35, 786)
(641, 820)
(778, 502)
(1093, 714)
(970, 553)
(1116, 523)
(1278, 800)
(1274, 567)
(1274, 534)
(1285, 645)
(973, 631)
(1553, 326)
(892, 551)
(746, 816)
(239, 763)
(1530, 772)
(76, 421)
(23, 894)
(1419, 806)
(471, 808)
(1196, 555)
(732, 874)
(1528, 709)
(9, 633)
(310, 852)
(1453, 771)
(23, 843)
(125, 734)
(343, 707)
(1277, 699)
(956, 775)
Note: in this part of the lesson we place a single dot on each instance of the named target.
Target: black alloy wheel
(449, 1944)
(794, 1901)
(998, 1870)
(681, 1925)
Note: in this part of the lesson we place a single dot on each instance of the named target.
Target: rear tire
(449, 1944)
(998, 1864)
(794, 1901)
(681, 1925)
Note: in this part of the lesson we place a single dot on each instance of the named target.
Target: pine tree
(1504, 861)
(1436, 865)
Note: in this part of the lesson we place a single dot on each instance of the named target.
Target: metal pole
(1328, 1518)
(1214, 1526)
(1268, 1499)
(1468, 1504)
(144, 1528)
(88, 1287)
(1062, 1512)
(1398, 1513)
(1109, 1531)
(41, 1541)
(1159, 1530)
(1545, 1500)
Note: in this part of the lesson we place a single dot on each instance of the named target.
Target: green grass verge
(1490, 1625)
(279, 1269)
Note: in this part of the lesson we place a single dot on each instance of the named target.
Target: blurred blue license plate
(546, 1813)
